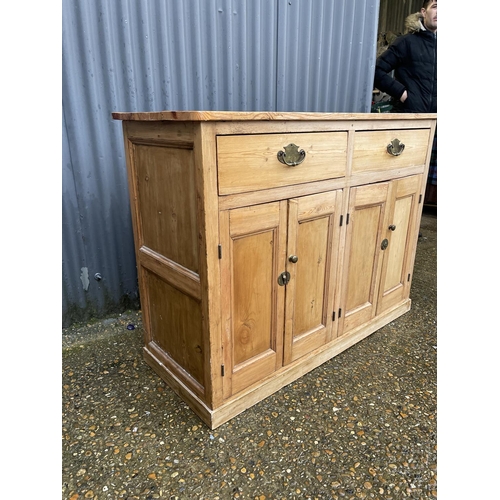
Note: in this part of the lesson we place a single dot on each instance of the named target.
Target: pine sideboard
(268, 242)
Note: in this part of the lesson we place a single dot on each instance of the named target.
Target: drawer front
(371, 152)
(250, 162)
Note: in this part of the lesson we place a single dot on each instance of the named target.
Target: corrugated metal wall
(135, 55)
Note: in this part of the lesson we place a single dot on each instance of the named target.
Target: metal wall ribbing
(137, 55)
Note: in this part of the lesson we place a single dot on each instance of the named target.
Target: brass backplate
(291, 156)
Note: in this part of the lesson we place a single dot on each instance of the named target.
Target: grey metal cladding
(133, 55)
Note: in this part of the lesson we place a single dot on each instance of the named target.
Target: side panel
(176, 325)
(165, 178)
(163, 193)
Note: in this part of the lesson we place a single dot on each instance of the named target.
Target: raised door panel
(361, 270)
(401, 233)
(253, 241)
(313, 238)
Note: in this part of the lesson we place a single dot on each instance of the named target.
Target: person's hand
(404, 96)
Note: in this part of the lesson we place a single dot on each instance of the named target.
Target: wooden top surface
(203, 116)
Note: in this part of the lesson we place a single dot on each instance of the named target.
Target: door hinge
(333, 316)
(220, 252)
(340, 313)
(409, 277)
(222, 370)
(341, 220)
(420, 199)
(347, 220)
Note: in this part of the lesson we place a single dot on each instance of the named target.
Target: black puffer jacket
(414, 58)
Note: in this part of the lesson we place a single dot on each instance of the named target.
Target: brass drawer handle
(291, 156)
(395, 148)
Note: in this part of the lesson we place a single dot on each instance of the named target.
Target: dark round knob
(293, 258)
(392, 227)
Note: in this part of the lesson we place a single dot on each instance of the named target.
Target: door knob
(293, 258)
(384, 244)
(392, 227)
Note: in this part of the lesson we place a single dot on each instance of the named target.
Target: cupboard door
(313, 238)
(253, 241)
(402, 233)
(361, 269)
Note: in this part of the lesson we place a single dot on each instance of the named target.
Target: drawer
(371, 154)
(250, 162)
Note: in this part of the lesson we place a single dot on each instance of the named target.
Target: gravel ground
(362, 425)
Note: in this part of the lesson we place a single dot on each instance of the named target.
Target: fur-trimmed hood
(413, 23)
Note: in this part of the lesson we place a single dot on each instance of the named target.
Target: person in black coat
(413, 58)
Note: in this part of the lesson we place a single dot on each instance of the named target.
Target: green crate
(382, 107)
